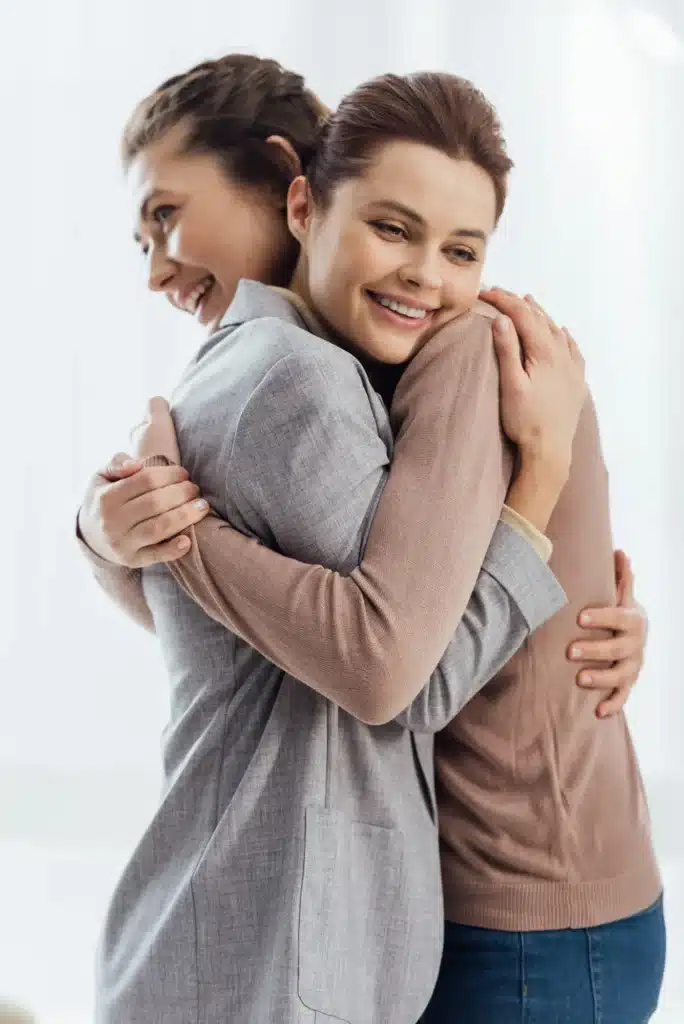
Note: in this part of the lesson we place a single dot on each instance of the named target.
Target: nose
(160, 269)
(422, 270)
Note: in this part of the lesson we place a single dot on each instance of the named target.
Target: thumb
(157, 406)
(120, 466)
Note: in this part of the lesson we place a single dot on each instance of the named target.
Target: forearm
(535, 490)
(122, 585)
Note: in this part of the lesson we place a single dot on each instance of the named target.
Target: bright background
(591, 97)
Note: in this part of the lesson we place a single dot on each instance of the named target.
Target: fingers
(621, 619)
(619, 677)
(157, 502)
(120, 466)
(162, 527)
(169, 551)
(157, 406)
(524, 318)
(148, 478)
(534, 305)
(614, 649)
(613, 704)
(508, 349)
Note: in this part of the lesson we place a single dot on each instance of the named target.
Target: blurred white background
(591, 98)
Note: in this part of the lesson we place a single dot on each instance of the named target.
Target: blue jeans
(606, 975)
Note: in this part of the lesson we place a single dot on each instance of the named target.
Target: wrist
(544, 468)
(84, 538)
(536, 488)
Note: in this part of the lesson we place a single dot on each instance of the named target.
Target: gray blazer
(291, 872)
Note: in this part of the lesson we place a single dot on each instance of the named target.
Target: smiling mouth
(198, 296)
(408, 313)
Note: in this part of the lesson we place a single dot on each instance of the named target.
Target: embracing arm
(370, 639)
(122, 585)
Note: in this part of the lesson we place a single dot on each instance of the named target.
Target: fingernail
(575, 652)
(585, 678)
(130, 462)
(201, 503)
(585, 619)
(182, 542)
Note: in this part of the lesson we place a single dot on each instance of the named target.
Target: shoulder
(269, 341)
(291, 363)
(304, 386)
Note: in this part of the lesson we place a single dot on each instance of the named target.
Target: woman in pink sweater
(550, 946)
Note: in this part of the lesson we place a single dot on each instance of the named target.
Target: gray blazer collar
(253, 300)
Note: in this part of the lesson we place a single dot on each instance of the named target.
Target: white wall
(590, 96)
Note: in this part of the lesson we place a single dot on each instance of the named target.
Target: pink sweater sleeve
(370, 640)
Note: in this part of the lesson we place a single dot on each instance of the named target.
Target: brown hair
(231, 106)
(432, 108)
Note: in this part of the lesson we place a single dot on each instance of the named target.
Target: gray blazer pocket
(346, 953)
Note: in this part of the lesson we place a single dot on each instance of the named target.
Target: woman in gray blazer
(203, 925)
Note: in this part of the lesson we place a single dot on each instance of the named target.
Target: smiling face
(200, 231)
(397, 251)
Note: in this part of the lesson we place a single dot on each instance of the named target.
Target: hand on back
(132, 514)
(543, 386)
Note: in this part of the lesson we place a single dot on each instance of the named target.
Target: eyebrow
(406, 211)
(144, 212)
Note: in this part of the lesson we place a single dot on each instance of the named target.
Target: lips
(410, 314)
(191, 301)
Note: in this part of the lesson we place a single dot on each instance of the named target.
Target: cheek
(466, 287)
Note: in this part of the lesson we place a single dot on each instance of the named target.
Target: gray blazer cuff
(515, 564)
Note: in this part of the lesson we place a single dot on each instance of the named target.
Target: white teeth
(195, 296)
(399, 307)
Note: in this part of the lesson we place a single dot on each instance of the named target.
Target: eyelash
(154, 215)
(158, 210)
(396, 232)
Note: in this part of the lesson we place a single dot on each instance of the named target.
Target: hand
(624, 652)
(543, 387)
(156, 434)
(132, 515)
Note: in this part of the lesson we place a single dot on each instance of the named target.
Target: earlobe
(299, 208)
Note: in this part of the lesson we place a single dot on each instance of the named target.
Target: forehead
(435, 185)
(156, 164)
(164, 167)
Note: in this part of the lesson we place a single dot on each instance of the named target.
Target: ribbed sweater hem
(546, 906)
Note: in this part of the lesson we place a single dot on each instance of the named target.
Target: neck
(384, 377)
(299, 284)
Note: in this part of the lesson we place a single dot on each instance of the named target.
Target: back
(281, 844)
(543, 818)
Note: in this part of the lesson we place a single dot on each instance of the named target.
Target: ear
(287, 154)
(300, 208)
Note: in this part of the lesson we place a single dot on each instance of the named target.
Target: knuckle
(146, 477)
(156, 504)
(116, 544)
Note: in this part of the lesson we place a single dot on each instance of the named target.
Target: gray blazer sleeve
(309, 463)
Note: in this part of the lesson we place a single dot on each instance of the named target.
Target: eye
(390, 230)
(462, 255)
(161, 214)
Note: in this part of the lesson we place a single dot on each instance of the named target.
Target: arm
(370, 639)
(121, 584)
